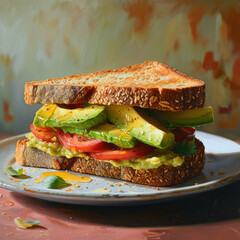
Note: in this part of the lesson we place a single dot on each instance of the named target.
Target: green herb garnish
(13, 172)
(184, 148)
(25, 224)
(54, 182)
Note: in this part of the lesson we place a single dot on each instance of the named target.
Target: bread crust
(147, 85)
(162, 176)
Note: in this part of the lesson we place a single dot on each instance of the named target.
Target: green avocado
(189, 118)
(50, 115)
(108, 133)
(138, 124)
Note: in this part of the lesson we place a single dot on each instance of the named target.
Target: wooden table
(210, 215)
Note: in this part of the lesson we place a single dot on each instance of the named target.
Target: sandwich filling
(122, 135)
(153, 160)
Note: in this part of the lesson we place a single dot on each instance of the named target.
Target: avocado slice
(50, 115)
(138, 124)
(189, 118)
(108, 133)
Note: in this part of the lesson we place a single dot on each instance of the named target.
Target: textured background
(48, 39)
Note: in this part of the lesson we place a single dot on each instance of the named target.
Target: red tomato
(183, 133)
(46, 134)
(80, 143)
(190, 130)
(139, 150)
(71, 106)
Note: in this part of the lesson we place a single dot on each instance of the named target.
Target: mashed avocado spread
(53, 149)
(160, 157)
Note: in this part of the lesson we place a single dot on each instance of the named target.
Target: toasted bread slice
(162, 176)
(147, 85)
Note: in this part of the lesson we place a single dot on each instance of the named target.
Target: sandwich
(135, 123)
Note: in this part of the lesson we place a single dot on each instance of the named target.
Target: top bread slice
(147, 85)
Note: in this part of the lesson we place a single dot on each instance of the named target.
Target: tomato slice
(71, 106)
(183, 133)
(80, 143)
(190, 130)
(139, 150)
(46, 134)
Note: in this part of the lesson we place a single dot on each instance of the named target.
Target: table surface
(210, 215)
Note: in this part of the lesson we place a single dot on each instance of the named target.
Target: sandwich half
(135, 123)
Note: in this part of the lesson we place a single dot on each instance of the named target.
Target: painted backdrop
(48, 39)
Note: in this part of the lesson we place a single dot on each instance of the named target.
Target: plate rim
(126, 197)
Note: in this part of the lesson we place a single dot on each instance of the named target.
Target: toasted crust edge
(167, 99)
(162, 176)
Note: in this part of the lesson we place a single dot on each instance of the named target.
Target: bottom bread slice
(162, 176)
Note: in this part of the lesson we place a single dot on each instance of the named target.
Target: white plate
(222, 167)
